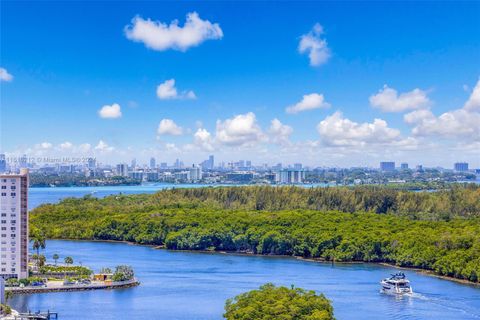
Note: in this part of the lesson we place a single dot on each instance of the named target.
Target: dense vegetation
(279, 303)
(435, 231)
(77, 180)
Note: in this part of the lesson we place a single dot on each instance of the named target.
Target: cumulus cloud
(388, 100)
(167, 90)
(44, 145)
(450, 124)
(335, 130)
(169, 127)
(463, 122)
(102, 146)
(66, 145)
(161, 36)
(279, 132)
(308, 102)
(110, 111)
(316, 47)
(241, 130)
(473, 102)
(5, 76)
(203, 139)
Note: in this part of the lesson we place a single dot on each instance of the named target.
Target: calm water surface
(189, 285)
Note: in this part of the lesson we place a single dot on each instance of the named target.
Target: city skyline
(279, 89)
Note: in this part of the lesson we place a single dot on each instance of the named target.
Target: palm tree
(39, 242)
(55, 258)
(68, 260)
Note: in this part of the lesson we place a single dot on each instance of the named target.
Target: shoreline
(385, 264)
(68, 288)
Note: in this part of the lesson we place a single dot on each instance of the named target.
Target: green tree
(39, 242)
(68, 261)
(271, 302)
(55, 258)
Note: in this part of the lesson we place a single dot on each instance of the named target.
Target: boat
(396, 284)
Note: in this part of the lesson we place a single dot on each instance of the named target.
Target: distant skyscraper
(14, 225)
(211, 162)
(248, 163)
(92, 163)
(163, 165)
(404, 166)
(152, 163)
(297, 166)
(3, 163)
(122, 170)
(195, 173)
(387, 166)
(460, 166)
(134, 163)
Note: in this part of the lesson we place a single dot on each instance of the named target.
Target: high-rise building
(404, 166)
(122, 170)
(91, 163)
(14, 225)
(387, 166)
(460, 166)
(153, 163)
(3, 163)
(297, 166)
(134, 163)
(290, 176)
(248, 163)
(195, 173)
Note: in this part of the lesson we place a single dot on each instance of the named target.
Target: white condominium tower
(14, 225)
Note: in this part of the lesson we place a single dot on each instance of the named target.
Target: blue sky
(63, 61)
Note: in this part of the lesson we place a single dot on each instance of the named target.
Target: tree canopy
(279, 303)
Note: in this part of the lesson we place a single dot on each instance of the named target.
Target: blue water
(38, 196)
(188, 285)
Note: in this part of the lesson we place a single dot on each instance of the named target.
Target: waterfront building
(91, 163)
(460, 166)
(387, 166)
(404, 166)
(195, 173)
(14, 225)
(290, 176)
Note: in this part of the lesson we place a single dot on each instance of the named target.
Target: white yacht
(397, 284)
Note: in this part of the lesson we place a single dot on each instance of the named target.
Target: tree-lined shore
(437, 231)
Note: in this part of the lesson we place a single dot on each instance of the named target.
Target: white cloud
(460, 123)
(169, 127)
(280, 133)
(335, 130)
(110, 111)
(473, 103)
(315, 46)
(167, 90)
(452, 124)
(44, 145)
(161, 36)
(5, 76)
(241, 130)
(66, 145)
(203, 139)
(102, 146)
(388, 100)
(308, 102)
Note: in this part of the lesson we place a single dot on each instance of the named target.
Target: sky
(321, 83)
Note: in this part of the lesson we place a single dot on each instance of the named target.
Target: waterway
(189, 285)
